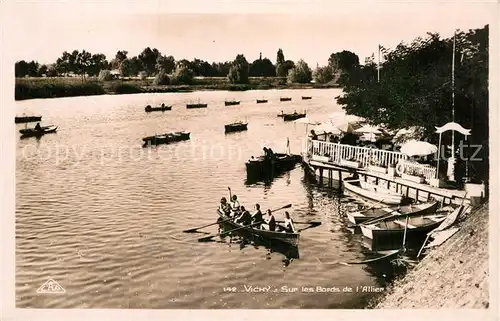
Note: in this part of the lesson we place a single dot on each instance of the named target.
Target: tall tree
(164, 63)
(323, 75)
(148, 59)
(238, 73)
(21, 69)
(262, 68)
(281, 70)
(301, 73)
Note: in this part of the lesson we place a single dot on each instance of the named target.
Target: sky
(219, 30)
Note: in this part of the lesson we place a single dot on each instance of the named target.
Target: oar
(309, 223)
(208, 238)
(197, 228)
(372, 206)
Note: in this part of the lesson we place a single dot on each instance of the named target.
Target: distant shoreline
(41, 88)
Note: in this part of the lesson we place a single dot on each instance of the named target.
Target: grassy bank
(453, 275)
(31, 88)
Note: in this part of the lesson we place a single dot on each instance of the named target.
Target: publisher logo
(51, 286)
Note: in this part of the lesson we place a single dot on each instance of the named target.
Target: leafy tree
(323, 75)
(262, 68)
(33, 67)
(21, 68)
(164, 63)
(42, 70)
(238, 73)
(161, 78)
(52, 71)
(300, 74)
(182, 76)
(148, 59)
(221, 69)
(98, 62)
(281, 71)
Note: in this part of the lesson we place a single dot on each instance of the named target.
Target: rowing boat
(402, 211)
(393, 227)
(232, 103)
(190, 106)
(149, 109)
(372, 191)
(288, 238)
(32, 132)
(261, 101)
(166, 138)
(27, 119)
(306, 97)
(285, 98)
(260, 166)
(235, 127)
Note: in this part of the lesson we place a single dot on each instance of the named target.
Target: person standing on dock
(270, 222)
(257, 217)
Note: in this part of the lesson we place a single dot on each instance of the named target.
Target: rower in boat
(235, 205)
(288, 226)
(224, 206)
(38, 127)
(257, 217)
(245, 218)
(270, 222)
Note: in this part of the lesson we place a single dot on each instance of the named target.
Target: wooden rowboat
(32, 132)
(149, 109)
(261, 101)
(260, 166)
(306, 97)
(407, 210)
(288, 238)
(285, 98)
(27, 119)
(235, 127)
(191, 106)
(166, 138)
(232, 103)
(372, 191)
(393, 227)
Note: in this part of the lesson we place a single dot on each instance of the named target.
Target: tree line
(166, 69)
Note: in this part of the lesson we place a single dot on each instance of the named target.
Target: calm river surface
(103, 216)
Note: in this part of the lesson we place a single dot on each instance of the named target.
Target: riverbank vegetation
(416, 87)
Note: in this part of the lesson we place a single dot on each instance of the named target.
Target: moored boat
(359, 217)
(261, 101)
(306, 97)
(235, 127)
(33, 132)
(285, 98)
(166, 138)
(373, 192)
(189, 106)
(163, 107)
(27, 119)
(232, 103)
(288, 238)
(261, 166)
(392, 228)
(294, 116)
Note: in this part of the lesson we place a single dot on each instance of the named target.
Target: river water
(103, 217)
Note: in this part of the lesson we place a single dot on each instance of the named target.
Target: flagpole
(378, 65)
(452, 178)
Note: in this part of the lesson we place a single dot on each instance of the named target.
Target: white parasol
(307, 121)
(418, 148)
(368, 129)
(328, 127)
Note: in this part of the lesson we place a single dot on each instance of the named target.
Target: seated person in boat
(224, 206)
(269, 222)
(162, 105)
(313, 135)
(38, 127)
(257, 217)
(288, 227)
(245, 218)
(235, 205)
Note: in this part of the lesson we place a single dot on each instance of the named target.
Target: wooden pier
(331, 162)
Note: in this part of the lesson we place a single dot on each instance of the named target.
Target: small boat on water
(372, 191)
(359, 217)
(198, 105)
(294, 116)
(288, 238)
(27, 119)
(393, 227)
(33, 132)
(306, 97)
(149, 109)
(261, 166)
(236, 127)
(166, 138)
(261, 101)
(231, 103)
(285, 98)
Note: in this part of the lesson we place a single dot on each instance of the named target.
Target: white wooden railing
(363, 155)
(417, 169)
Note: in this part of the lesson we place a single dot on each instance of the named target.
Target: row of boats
(164, 107)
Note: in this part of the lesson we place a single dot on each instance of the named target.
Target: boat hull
(378, 194)
(288, 238)
(393, 229)
(27, 119)
(231, 103)
(191, 106)
(166, 138)
(306, 97)
(263, 101)
(359, 217)
(151, 109)
(260, 167)
(290, 117)
(285, 99)
(31, 132)
(235, 128)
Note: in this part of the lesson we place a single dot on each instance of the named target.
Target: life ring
(400, 168)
